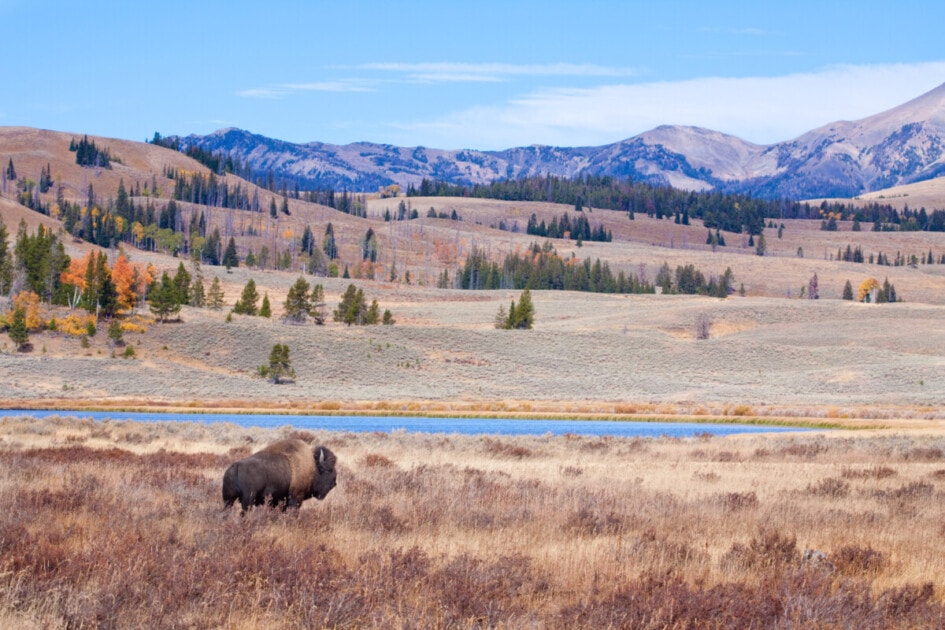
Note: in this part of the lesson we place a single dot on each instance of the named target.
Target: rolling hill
(589, 353)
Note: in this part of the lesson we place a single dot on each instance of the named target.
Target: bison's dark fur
(285, 473)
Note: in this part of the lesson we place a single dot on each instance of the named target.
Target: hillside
(769, 351)
(899, 146)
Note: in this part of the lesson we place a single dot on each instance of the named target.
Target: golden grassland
(119, 523)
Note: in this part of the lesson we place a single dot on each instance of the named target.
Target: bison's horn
(321, 454)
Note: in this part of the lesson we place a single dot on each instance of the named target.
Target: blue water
(468, 426)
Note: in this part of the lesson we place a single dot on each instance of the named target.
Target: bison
(285, 473)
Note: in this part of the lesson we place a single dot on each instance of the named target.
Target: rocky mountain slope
(841, 159)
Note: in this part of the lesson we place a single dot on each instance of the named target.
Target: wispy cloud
(286, 89)
(493, 72)
(758, 109)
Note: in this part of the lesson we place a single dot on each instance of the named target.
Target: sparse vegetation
(459, 531)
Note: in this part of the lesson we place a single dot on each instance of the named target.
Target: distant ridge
(842, 159)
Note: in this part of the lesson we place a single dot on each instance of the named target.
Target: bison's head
(325, 480)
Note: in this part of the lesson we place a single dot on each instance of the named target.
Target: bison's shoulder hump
(289, 448)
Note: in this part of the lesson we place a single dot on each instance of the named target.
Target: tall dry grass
(119, 524)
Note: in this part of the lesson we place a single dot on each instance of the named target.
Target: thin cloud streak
(287, 89)
(764, 110)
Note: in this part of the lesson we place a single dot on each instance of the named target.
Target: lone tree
(298, 303)
(215, 295)
(246, 305)
(19, 335)
(163, 298)
(848, 291)
(280, 367)
(521, 316)
(352, 308)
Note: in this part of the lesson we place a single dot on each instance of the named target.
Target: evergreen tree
(813, 292)
(181, 283)
(762, 247)
(6, 262)
(280, 366)
(198, 295)
(115, 334)
(848, 291)
(215, 295)
(328, 243)
(163, 298)
(352, 308)
(298, 305)
(388, 318)
(265, 310)
(501, 318)
(10, 172)
(18, 332)
(272, 208)
(523, 315)
(230, 259)
(373, 314)
(369, 246)
(246, 305)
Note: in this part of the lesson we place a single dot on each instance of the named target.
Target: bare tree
(702, 326)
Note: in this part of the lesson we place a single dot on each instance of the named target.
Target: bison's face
(323, 485)
(327, 476)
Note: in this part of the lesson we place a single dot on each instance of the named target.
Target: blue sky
(482, 75)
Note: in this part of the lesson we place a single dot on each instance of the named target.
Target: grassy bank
(119, 523)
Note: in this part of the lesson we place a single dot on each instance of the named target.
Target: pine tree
(848, 291)
(182, 285)
(115, 333)
(230, 259)
(11, 172)
(352, 308)
(198, 295)
(215, 295)
(6, 261)
(522, 316)
(328, 243)
(246, 305)
(18, 332)
(280, 366)
(298, 303)
(388, 318)
(163, 298)
(265, 310)
(373, 314)
(813, 292)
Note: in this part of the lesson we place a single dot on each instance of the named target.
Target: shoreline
(483, 411)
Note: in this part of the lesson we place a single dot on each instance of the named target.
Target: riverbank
(119, 520)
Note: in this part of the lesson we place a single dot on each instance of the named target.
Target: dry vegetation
(119, 524)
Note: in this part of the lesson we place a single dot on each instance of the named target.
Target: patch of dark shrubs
(735, 501)
(873, 472)
(499, 448)
(830, 487)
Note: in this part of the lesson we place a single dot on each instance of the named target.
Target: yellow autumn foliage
(866, 287)
(75, 324)
(29, 302)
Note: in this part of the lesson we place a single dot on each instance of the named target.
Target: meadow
(119, 524)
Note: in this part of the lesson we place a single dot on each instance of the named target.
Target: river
(468, 426)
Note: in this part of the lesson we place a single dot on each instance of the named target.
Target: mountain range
(841, 159)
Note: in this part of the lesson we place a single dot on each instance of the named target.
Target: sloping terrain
(770, 351)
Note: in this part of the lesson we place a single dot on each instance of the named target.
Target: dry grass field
(119, 524)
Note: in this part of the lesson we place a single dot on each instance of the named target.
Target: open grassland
(588, 354)
(119, 524)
